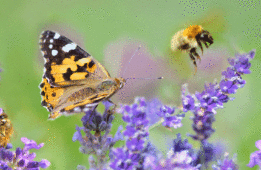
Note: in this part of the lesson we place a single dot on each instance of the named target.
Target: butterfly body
(73, 80)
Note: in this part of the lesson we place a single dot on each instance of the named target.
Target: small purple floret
(226, 164)
(170, 120)
(255, 158)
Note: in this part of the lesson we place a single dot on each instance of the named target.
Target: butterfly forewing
(66, 63)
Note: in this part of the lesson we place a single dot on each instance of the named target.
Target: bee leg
(184, 47)
(194, 61)
(200, 45)
(194, 52)
(206, 44)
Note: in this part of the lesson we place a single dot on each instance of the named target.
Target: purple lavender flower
(124, 159)
(21, 158)
(226, 164)
(180, 156)
(169, 119)
(202, 124)
(137, 156)
(188, 102)
(150, 156)
(241, 63)
(179, 145)
(205, 104)
(97, 144)
(152, 107)
(206, 154)
(138, 153)
(255, 158)
(136, 134)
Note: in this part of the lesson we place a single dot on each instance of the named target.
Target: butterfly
(73, 81)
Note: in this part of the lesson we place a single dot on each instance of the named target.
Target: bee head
(205, 36)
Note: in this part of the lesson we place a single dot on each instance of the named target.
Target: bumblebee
(6, 129)
(189, 39)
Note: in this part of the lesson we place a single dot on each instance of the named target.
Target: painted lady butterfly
(73, 80)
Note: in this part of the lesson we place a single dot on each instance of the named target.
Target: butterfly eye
(121, 85)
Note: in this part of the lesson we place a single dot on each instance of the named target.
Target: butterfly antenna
(144, 78)
(130, 60)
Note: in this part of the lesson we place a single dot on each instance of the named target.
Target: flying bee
(6, 129)
(189, 39)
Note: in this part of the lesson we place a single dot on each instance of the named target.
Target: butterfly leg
(2, 134)
(54, 115)
(111, 111)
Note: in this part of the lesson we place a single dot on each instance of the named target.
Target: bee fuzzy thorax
(192, 31)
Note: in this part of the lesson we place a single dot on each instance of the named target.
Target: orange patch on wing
(51, 95)
(78, 76)
(70, 63)
(83, 61)
(92, 69)
(56, 69)
(58, 78)
(72, 57)
(192, 31)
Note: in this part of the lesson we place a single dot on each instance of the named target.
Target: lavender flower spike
(97, 144)
(136, 135)
(205, 104)
(21, 158)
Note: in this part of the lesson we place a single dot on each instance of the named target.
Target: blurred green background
(116, 28)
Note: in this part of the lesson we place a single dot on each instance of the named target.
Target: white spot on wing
(77, 109)
(64, 113)
(91, 105)
(51, 40)
(54, 52)
(50, 46)
(42, 53)
(69, 47)
(56, 36)
(86, 109)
